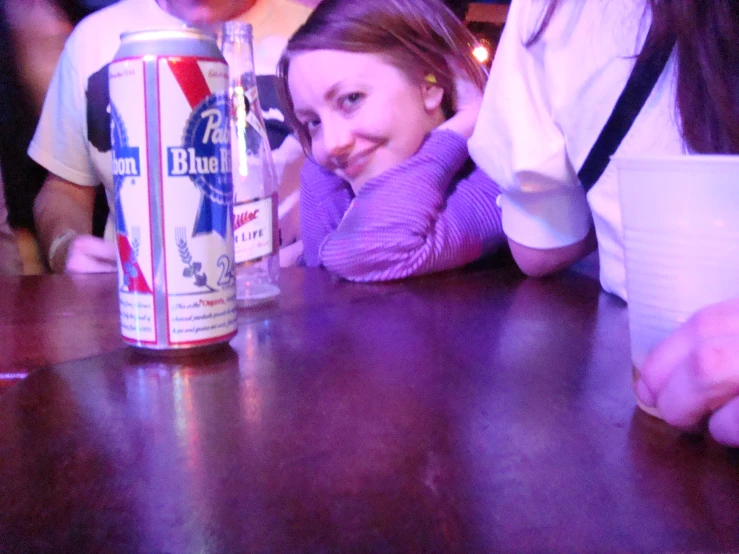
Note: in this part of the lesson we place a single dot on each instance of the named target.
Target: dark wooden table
(471, 411)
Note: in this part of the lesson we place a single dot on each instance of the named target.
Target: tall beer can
(173, 190)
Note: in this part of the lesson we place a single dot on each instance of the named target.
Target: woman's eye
(349, 101)
(312, 125)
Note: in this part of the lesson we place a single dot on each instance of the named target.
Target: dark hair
(458, 7)
(419, 37)
(76, 10)
(706, 34)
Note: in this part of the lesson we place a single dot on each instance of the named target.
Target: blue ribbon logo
(205, 157)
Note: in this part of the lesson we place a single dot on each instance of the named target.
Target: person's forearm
(536, 262)
(61, 210)
(324, 198)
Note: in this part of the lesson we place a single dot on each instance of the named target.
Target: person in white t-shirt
(72, 139)
(558, 72)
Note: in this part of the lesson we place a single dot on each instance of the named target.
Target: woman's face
(363, 114)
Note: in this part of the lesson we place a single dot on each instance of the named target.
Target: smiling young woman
(363, 115)
(383, 96)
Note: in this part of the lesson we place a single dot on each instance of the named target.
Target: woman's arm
(520, 143)
(324, 198)
(538, 262)
(417, 218)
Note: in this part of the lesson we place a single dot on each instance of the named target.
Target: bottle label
(254, 235)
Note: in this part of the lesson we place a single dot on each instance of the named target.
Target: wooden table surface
(471, 411)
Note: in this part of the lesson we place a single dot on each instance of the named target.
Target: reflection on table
(471, 411)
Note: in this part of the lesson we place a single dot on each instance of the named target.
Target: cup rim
(639, 160)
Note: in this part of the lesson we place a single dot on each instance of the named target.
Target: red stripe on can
(190, 78)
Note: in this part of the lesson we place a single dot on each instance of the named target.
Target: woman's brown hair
(419, 37)
(706, 34)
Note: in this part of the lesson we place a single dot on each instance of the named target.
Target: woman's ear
(431, 93)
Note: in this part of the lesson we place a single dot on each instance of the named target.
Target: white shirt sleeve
(60, 142)
(518, 143)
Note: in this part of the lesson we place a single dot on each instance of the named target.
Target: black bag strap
(643, 77)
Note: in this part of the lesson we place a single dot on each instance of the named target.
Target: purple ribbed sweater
(433, 212)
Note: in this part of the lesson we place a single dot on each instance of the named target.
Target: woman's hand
(467, 102)
(693, 375)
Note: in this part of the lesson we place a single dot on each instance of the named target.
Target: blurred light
(481, 53)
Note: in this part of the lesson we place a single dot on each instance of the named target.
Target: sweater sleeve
(324, 197)
(427, 214)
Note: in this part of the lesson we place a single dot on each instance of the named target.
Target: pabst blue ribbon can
(173, 190)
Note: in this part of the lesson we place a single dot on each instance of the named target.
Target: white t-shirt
(72, 139)
(545, 106)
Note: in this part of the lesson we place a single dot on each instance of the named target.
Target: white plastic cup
(680, 217)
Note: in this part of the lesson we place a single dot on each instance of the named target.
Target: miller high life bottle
(256, 235)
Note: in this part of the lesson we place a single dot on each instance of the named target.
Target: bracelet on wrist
(60, 245)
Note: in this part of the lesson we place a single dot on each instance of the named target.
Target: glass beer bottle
(256, 235)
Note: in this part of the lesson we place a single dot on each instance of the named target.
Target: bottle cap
(237, 29)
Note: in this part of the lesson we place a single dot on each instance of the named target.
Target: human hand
(693, 375)
(467, 102)
(89, 254)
